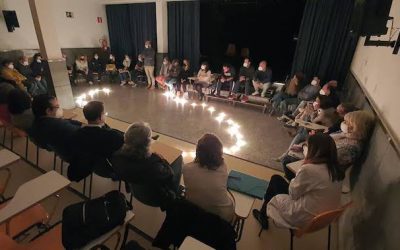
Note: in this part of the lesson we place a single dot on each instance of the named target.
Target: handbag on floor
(85, 221)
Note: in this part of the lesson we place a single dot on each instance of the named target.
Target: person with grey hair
(135, 164)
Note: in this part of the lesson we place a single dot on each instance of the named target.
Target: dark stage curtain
(326, 42)
(184, 31)
(129, 26)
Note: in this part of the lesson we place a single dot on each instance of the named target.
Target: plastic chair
(319, 222)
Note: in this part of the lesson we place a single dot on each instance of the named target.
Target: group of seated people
(127, 74)
(24, 75)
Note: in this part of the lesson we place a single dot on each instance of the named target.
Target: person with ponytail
(315, 189)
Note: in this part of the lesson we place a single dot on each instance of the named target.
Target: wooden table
(7, 158)
(310, 125)
(295, 166)
(33, 192)
(168, 152)
(192, 244)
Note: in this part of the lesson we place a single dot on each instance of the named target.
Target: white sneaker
(130, 82)
(90, 83)
(255, 93)
(123, 83)
(134, 85)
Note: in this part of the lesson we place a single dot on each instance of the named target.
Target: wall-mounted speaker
(10, 16)
(375, 18)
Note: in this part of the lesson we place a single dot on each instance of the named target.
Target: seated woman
(316, 188)
(206, 178)
(138, 71)
(135, 164)
(290, 92)
(203, 79)
(19, 106)
(174, 75)
(164, 72)
(111, 69)
(82, 67)
(355, 130)
(185, 74)
(124, 74)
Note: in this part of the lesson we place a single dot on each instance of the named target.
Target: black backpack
(85, 221)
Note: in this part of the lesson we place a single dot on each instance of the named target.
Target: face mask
(38, 60)
(314, 82)
(165, 63)
(305, 150)
(315, 105)
(245, 65)
(147, 46)
(25, 63)
(111, 57)
(203, 67)
(59, 113)
(96, 57)
(260, 68)
(11, 66)
(38, 79)
(322, 92)
(344, 127)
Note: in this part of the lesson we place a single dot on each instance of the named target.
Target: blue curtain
(129, 26)
(326, 42)
(184, 31)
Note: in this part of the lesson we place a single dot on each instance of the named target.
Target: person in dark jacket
(185, 74)
(135, 164)
(138, 71)
(37, 65)
(23, 67)
(95, 66)
(246, 74)
(227, 78)
(174, 75)
(148, 55)
(94, 143)
(262, 79)
(49, 130)
(37, 86)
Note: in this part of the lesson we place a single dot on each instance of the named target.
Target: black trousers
(277, 185)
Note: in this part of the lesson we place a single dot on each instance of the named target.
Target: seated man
(246, 74)
(9, 73)
(37, 86)
(138, 70)
(23, 67)
(19, 106)
(82, 67)
(95, 67)
(262, 79)
(227, 78)
(94, 143)
(49, 130)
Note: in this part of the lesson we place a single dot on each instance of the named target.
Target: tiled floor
(149, 219)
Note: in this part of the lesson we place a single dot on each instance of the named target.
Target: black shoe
(262, 219)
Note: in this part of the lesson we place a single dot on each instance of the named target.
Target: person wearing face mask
(341, 110)
(262, 79)
(95, 67)
(124, 74)
(37, 64)
(23, 67)
(93, 144)
(49, 130)
(164, 73)
(329, 89)
(316, 187)
(281, 100)
(37, 86)
(203, 79)
(10, 74)
(228, 75)
(185, 74)
(82, 68)
(246, 74)
(111, 69)
(174, 75)
(148, 56)
(138, 72)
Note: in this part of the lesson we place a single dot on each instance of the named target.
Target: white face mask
(38, 60)
(203, 67)
(96, 57)
(59, 113)
(314, 82)
(147, 46)
(25, 63)
(322, 92)
(111, 57)
(245, 65)
(305, 150)
(11, 66)
(344, 127)
(260, 68)
(165, 63)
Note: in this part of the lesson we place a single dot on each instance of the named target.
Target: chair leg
(54, 161)
(259, 233)
(4, 135)
(12, 141)
(62, 166)
(26, 148)
(291, 239)
(90, 186)
(37, 156)
(329, 237)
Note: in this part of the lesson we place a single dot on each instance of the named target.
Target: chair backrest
(146, 194)
(322, 220)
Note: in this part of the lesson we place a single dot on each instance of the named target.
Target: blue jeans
(124, 76)
(170, 83)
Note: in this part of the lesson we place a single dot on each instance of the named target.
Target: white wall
(82, 31)
(378, 71)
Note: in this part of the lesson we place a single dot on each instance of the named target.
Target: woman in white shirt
(315, 189)
(206, 178)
